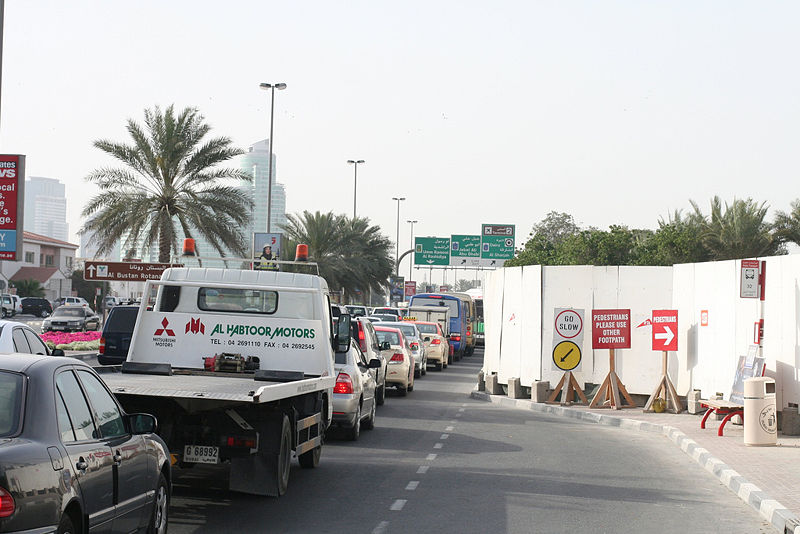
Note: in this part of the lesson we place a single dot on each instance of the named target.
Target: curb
(769, 509)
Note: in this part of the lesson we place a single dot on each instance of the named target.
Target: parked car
(364, 334)
(70, 455)
(17, 300)
(115, 339)
(354, 393)
(8, 305)
(436, 346)
(400, 369)
(37, 306)
(72, 301)
(71, 319)
(19, 337)
(415, 344)
(357, 311)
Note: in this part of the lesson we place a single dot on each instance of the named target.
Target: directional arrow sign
(665, 328)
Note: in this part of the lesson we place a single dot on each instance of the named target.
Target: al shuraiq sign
(12, 182)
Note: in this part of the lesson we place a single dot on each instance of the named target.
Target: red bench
(728, 408)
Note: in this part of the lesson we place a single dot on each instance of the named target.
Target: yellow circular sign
(567, 355)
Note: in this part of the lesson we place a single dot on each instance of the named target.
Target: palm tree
(787, 225)
(738, 230)
(352, 254)
(28, 288)
(169, 179)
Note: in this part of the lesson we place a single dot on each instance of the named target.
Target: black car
(71, 319)
(37, 306)
(116, 337)
(69, 454)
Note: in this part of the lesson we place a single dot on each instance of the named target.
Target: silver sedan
(354, 393)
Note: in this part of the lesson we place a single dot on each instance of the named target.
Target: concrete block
(514, 388)
(539, 390)
(492, 387)
(693, 402)
(791, 421)
(481, 382)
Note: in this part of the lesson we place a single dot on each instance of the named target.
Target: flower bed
(72, 340)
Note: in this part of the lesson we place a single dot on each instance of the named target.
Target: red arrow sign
(665, 329)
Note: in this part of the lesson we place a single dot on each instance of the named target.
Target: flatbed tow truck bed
(209, 386)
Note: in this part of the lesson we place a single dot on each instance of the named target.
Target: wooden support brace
(571, 392)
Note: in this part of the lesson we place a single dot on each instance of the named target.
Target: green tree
(677, 240)
(28, 288)
(352, 254)
(617, 246)
(786, 226)
(545, 238)
(737, 230)
(169, 180)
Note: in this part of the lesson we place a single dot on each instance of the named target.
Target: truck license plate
(201, 454)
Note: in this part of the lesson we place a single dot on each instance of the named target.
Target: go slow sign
(567, 339)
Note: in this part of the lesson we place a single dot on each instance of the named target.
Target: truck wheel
(380, 394)
(278, 463)
(310, 459)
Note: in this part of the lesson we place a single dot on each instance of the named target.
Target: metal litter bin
(760, 417)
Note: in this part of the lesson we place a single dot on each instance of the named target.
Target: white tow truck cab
(237, 366)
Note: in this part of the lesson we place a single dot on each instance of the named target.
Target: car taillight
(397, 357)
(436, 341)
(455, 337)
(102, 349)
(415, 346)
(344, 384)
(236, 441)
(7, 504)
(469, 330)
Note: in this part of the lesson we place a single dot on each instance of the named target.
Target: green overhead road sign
(497, 244)
(431, 251)
(465, 250)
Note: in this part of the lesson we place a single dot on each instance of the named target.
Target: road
(439, 461)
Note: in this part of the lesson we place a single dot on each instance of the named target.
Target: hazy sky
(477, 112)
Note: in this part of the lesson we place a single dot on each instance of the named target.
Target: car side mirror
(374, 363)
(57, 352)
(142, 423)
(386, 345)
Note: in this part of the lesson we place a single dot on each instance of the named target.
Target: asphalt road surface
(439, 461)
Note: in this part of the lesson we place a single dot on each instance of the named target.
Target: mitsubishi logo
(164, 324)
(194, 326)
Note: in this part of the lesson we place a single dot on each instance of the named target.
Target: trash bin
(760, 418)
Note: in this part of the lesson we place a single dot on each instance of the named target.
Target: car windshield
(10, 403)
(451, 304)
(68, 312)
(356, 311)
(427, 328)
(384, 335)
(408, 330)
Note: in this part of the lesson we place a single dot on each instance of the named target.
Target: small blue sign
(8, 240)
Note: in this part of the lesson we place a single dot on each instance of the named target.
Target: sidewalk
(766, 478)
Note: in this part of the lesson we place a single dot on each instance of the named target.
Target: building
(256, 162)
(46, 207)
(45, 259)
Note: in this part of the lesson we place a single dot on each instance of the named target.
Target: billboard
(12, 184)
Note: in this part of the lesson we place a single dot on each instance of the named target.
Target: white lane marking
(444, 436)
(453, 422)
(412, 485)
(461, 410)
(449, 429)
(422, 469)
(398, 504)
(431, 457)
(464, 404)
(438, 446)
(381, 528)
(458, 415)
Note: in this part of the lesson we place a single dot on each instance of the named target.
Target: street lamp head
(412, 222)
(396, 198)
(351, 161)
(270, 86)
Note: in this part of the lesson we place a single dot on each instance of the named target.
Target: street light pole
(355, 163)
(397, 238)
(410, 261)
(270, 87)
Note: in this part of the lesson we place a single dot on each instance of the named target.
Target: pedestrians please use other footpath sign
(611, 329)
